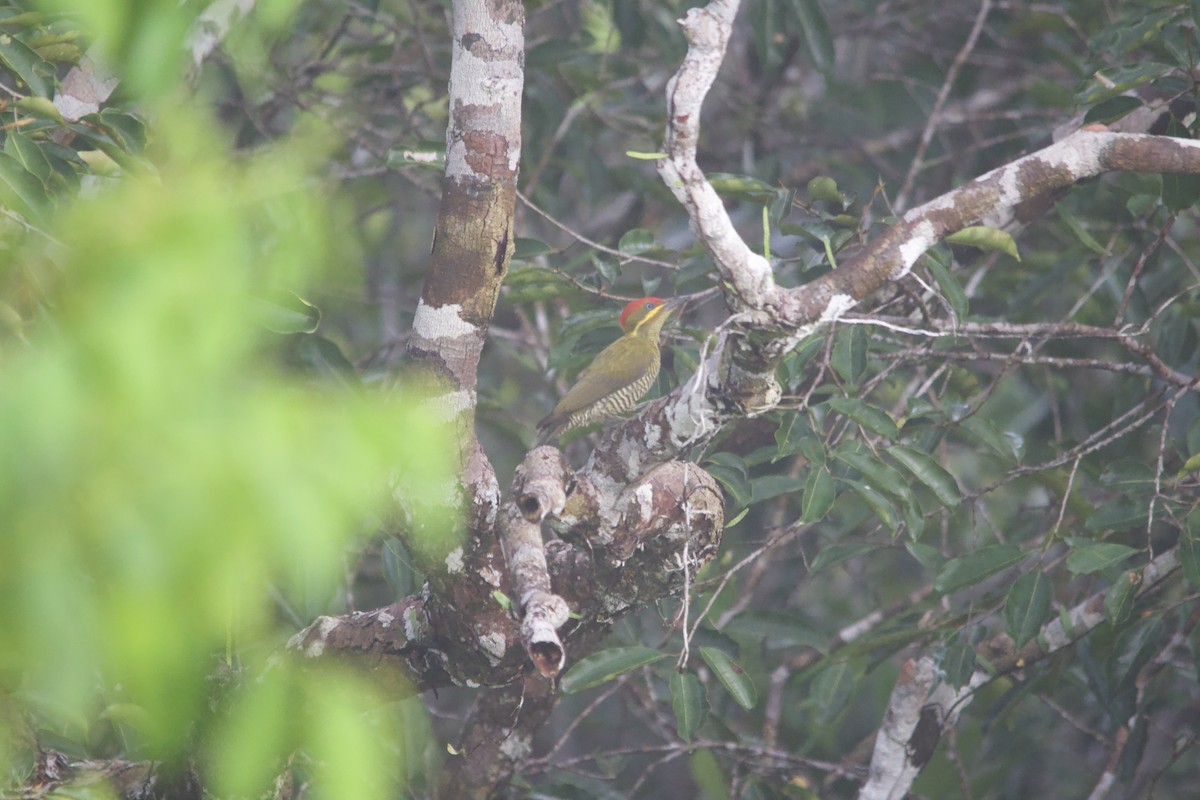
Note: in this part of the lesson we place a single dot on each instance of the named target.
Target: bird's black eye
(649, 306)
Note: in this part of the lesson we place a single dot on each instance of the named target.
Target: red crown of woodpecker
(634, 305)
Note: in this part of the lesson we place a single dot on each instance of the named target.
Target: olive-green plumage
(619, 375)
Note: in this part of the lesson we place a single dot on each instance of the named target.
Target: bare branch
(537, 492)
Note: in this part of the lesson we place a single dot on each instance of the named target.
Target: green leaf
(637, 242)
(1088, 556)
(35, 72)
(832, 688)
(1005, 444)
(870, 417)
(730, 471)
(881, 506)
(21, 191)
(1118, 602)
(952, 290)
(815, 28)
(689, 703)
(925, 469)
(1118, 514)
(779, 630)
(742, 187)
(645, 156)
(970, 569)
(1027, 606)
(1112, 110)
(731, 676)
(740, 516)
(958, 664)
(525, 249)
(23, 149)
(287, 313)
(824, 188)
(126, 129)
(1113, 82)
(881, 475)
(1082, 235)
(849, 358)
(769, 486)
(985, 238)
(1179, 191)
(606, 665)
(1189, 557)
(41, 107)
(840, 552)
(926, 555)
(819, 493)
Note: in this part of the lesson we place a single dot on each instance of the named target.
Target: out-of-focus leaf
(23, 149)
(689, 702)
(769, 486)
(607, 664)
(42, 107)
(840, 552)
(958, 664)
(815, 28)
(288, 313)
(1027, 606)
(34, 71)
(1082, 235)
(824, 188)
(324, 356)
(1088, 556)
(1189, 556)
(730, 471)
(732, 677)
(1118, 602)
(1118, 514)
(779, 630)
(926, 555)
(971, 568)
(525, 249)
(832, 686)
(21, 191)
(1179, 191)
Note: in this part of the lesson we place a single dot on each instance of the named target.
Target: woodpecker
(618, 376)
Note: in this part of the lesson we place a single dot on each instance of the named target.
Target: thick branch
(398, 638)
(738, 379)
(537, 492)
(923, 707)
(473, 241)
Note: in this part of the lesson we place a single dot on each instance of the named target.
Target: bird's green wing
(616, 366)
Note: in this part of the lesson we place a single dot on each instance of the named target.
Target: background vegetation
(204, 284)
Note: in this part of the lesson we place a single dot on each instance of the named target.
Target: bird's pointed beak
(675, 304)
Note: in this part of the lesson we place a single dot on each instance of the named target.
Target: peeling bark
(537, 491)
(923, 707)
